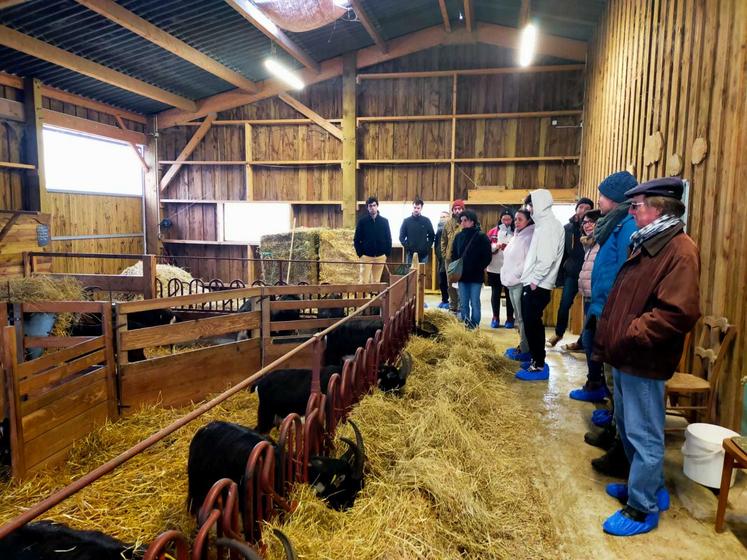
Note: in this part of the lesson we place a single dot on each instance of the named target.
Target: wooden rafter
(368, 24)
(418, 41)
(444, 15)
(136, 24)
(468, 15)
(59, 95)
(10, 3)
(121, 124)
(313, 115)
(39, 49)
(524, 13)
(258, 19)
(188, 149)
(71, 122)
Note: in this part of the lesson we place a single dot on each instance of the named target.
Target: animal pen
(80, 382)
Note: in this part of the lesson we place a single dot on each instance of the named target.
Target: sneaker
(629, 521)
(508, 325)
(534, 373)
(589, 395)
(601, 417)
(620, 491)
(553, 340)
(494, 324)
(443, 305)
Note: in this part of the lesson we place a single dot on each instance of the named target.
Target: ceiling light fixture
(284, 74)
(527, 44)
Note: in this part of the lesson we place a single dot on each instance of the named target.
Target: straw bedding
(449, 471)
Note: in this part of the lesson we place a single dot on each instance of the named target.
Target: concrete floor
(578, 498)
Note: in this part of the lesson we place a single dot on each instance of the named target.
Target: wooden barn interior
(423, 98)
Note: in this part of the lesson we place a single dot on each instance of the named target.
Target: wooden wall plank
(685, 60)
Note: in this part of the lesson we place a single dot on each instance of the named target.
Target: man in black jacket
(416, 234)
(373, 242)
(573, 260)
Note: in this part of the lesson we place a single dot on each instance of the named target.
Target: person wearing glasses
(653, 304)
(473, 247)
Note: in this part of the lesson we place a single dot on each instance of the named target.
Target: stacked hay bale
(45, 288)
(278, 246)
(449, 470)
(164, 273)
(336, 245)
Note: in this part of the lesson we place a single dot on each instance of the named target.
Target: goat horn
(290, 552)
(360, 452)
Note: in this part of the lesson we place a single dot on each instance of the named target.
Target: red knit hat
(457, 202)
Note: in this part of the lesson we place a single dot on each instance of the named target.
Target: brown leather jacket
(654, 303)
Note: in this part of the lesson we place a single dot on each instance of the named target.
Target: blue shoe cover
(494, 324)
(509, 325)
(516, 354)
(619, 491)
(601, 417)
(510, 353)
(589, 395)
(622, 526)
(443, 305)
(526, 375)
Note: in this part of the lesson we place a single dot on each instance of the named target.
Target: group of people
(637, 271)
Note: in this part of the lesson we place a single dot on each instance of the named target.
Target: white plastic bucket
(704, 453)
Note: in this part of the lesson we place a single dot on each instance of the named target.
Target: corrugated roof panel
(23, 65)
(395, 17)
(333, 39)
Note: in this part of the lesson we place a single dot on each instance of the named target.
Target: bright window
(248, 222)
(396, 212)
(75, 162)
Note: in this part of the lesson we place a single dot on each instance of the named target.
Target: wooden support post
(452, 167)
(317, 349)
(349, 141)
(149, 276)
(542, 167)
(113, 388)
(151, 193)
(249, 170)
(35, 189)
(420, 295)
(10, 358)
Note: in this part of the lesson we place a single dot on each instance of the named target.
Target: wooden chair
(701, 386)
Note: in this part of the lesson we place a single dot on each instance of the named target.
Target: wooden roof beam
(552, 45)
(258, 19)
(187, 151)
(444, 15)
(39, 49)
(469, 15)
(53, 93)
(132, 22)
(313, 115)
(10, 3)
(368, 25)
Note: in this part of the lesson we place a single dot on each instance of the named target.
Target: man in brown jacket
(451, 228)
(653, 304)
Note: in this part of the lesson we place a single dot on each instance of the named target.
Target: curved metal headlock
(220, 510)
(370, 366)
(290, 446)
(259, 490)
(358, 379)
(313, 440)
(346, 386)
(335, 407)
(170, 544)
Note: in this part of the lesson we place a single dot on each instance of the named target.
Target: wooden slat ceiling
(231, 49)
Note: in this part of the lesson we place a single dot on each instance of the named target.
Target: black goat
(277, 315)
(393, 378)
(284, 391)
(343, 341)
(46, 540)
(330, 312)
(222, 449)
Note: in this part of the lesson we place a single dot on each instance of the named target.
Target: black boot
(604, 439)
(614, 463)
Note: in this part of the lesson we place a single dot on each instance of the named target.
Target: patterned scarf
(660, 224)
(607, 223)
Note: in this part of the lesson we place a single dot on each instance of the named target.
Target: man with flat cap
(654, 303)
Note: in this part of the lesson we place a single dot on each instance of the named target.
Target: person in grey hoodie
(538, 278)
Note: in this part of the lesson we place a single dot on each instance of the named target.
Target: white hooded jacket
(546, 249)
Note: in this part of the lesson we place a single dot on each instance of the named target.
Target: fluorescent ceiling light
(527, 44)
(284, 74)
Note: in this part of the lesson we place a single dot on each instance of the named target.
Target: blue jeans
(422, 256)
(469, 297)
(570, 289)
(639, 415)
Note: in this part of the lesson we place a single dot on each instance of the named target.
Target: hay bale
(45, 288)
(305, 247)
(337, 245)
